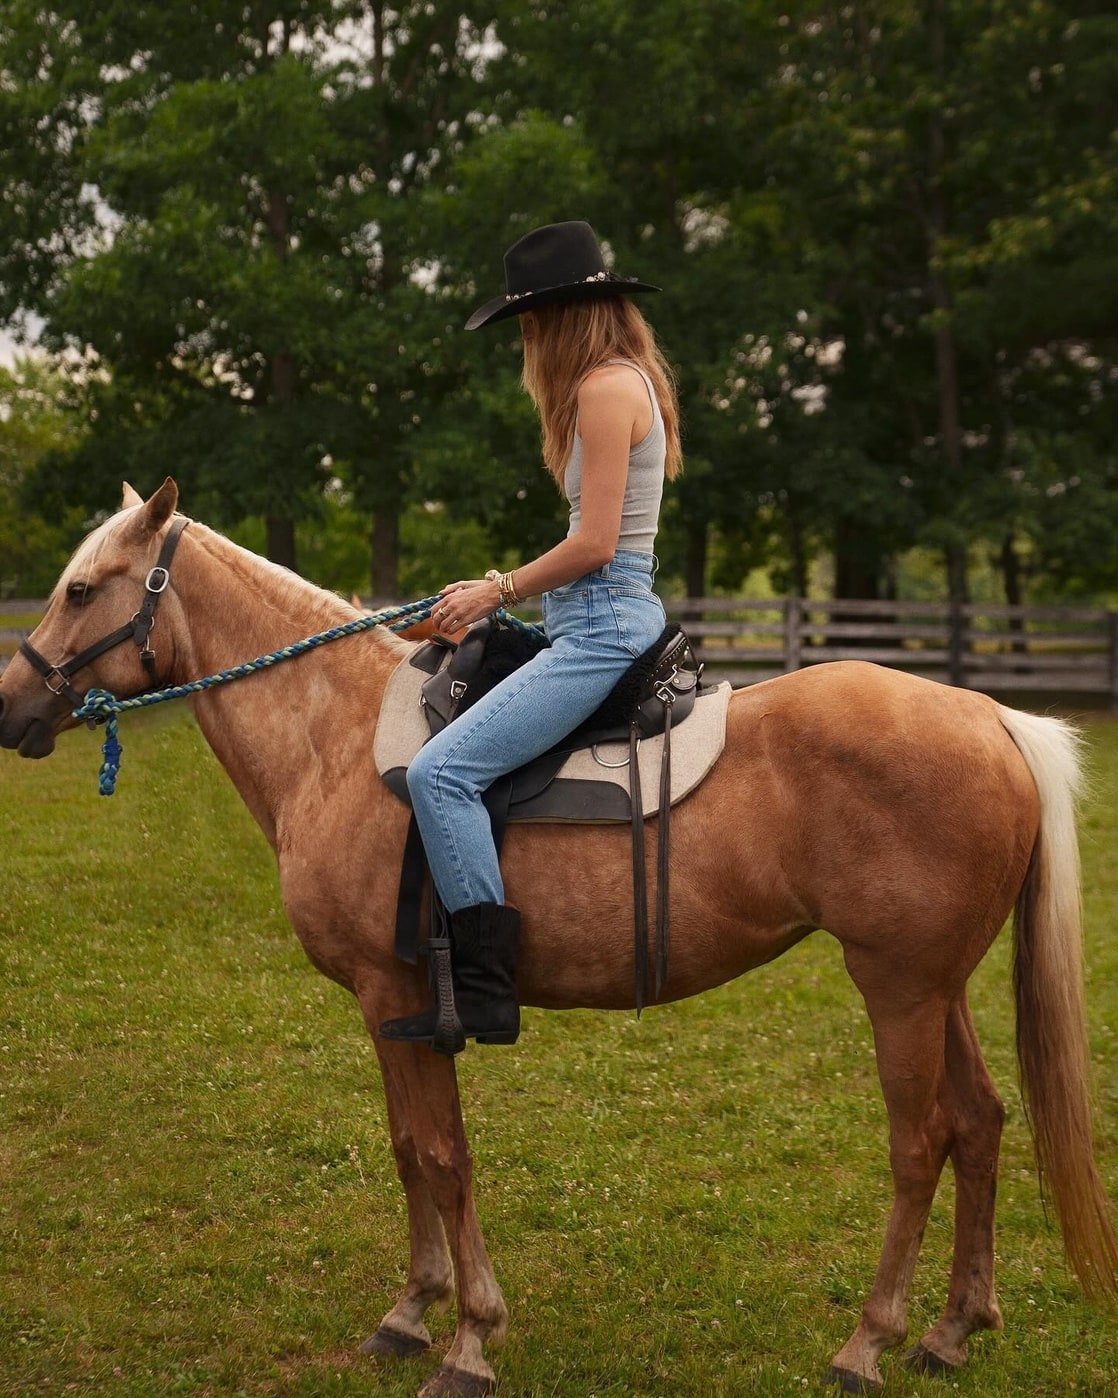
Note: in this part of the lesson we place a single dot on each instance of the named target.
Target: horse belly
(574, 887)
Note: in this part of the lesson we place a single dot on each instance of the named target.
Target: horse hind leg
(909, 1042)
(977, 1115)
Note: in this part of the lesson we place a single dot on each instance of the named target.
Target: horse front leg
(402, 1333)
(910, 1060)
(448, 1257)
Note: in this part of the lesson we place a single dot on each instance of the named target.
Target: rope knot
(98, 706)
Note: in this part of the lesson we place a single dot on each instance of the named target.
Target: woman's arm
(614, 413)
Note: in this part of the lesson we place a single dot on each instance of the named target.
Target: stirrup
(448, 1037)
(440, 1027)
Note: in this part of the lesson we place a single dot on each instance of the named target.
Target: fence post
(955, 622)
(1112, 626)
(793, 616)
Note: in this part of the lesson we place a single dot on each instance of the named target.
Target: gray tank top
(644, 486)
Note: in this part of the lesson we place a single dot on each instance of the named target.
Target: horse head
(105, 599)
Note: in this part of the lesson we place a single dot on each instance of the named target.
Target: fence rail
(993, 648)
(1072, 650)
(16, 619)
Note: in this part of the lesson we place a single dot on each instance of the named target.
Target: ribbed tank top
(644, 485)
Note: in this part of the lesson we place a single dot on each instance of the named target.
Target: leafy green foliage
(885, 237)
(33, 427)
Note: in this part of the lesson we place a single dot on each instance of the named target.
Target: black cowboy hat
(559, 262)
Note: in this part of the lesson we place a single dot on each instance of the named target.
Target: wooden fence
(1048, 650)
(998, 649)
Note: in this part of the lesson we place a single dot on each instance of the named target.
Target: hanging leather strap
(663, 864)
(663, 852)
(640, 890)
(413, 872)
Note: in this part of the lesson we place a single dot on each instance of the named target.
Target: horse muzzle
(29, 733)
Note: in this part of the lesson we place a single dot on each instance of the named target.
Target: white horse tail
(1052, 1052)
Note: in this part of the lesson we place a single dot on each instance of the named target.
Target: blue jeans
(597, 626)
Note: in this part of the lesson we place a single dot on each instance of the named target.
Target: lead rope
(99, 706)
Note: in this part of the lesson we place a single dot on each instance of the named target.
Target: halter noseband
(57, 677)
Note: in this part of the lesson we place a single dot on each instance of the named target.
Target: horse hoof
(457, 1383)
(849, 1381)
(395, 1343)
(921, 1360)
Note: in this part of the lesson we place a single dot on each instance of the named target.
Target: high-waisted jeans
(597, 626)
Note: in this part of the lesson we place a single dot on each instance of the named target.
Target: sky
(10, 348)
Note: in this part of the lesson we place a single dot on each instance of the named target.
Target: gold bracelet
(509, 596)
(505, 586)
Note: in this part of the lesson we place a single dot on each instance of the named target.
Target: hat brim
(504, 307)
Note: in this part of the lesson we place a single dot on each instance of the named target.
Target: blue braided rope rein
(99, 706)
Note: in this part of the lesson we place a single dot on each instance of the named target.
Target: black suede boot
(483, 946)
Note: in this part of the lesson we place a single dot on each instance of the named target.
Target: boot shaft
(485, 940)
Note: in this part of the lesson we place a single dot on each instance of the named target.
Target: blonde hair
(571, 339)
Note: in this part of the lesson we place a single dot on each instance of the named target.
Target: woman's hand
(462, 603)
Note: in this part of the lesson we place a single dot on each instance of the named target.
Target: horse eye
(78, 592)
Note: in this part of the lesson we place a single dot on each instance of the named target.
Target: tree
(253, 304)
(927, 139)
(32, 426)
(886, 235)
(574, 132)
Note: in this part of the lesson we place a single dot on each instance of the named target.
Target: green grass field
(198, 1194)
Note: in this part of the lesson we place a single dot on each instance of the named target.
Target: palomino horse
(906, 818)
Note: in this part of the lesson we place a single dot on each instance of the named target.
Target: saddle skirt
(585, 784)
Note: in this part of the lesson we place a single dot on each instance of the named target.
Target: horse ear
(160, 507)
(131, 497)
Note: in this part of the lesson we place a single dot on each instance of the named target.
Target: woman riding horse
(610, 435)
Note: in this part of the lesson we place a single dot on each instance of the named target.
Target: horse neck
(314, 713)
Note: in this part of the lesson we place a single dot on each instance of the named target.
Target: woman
(610, 426)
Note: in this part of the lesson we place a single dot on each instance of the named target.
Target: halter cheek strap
(138, 629)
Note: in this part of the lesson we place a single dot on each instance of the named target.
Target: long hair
(573, 338)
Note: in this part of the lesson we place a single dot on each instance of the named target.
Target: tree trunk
(695, 567)
(958, 586)
(695, 560)
(861, 569)
(797, 550)
(945, 350)
(1010, 562)
(385, 570)
(280, 540)
(863, 572)
(281, 389)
